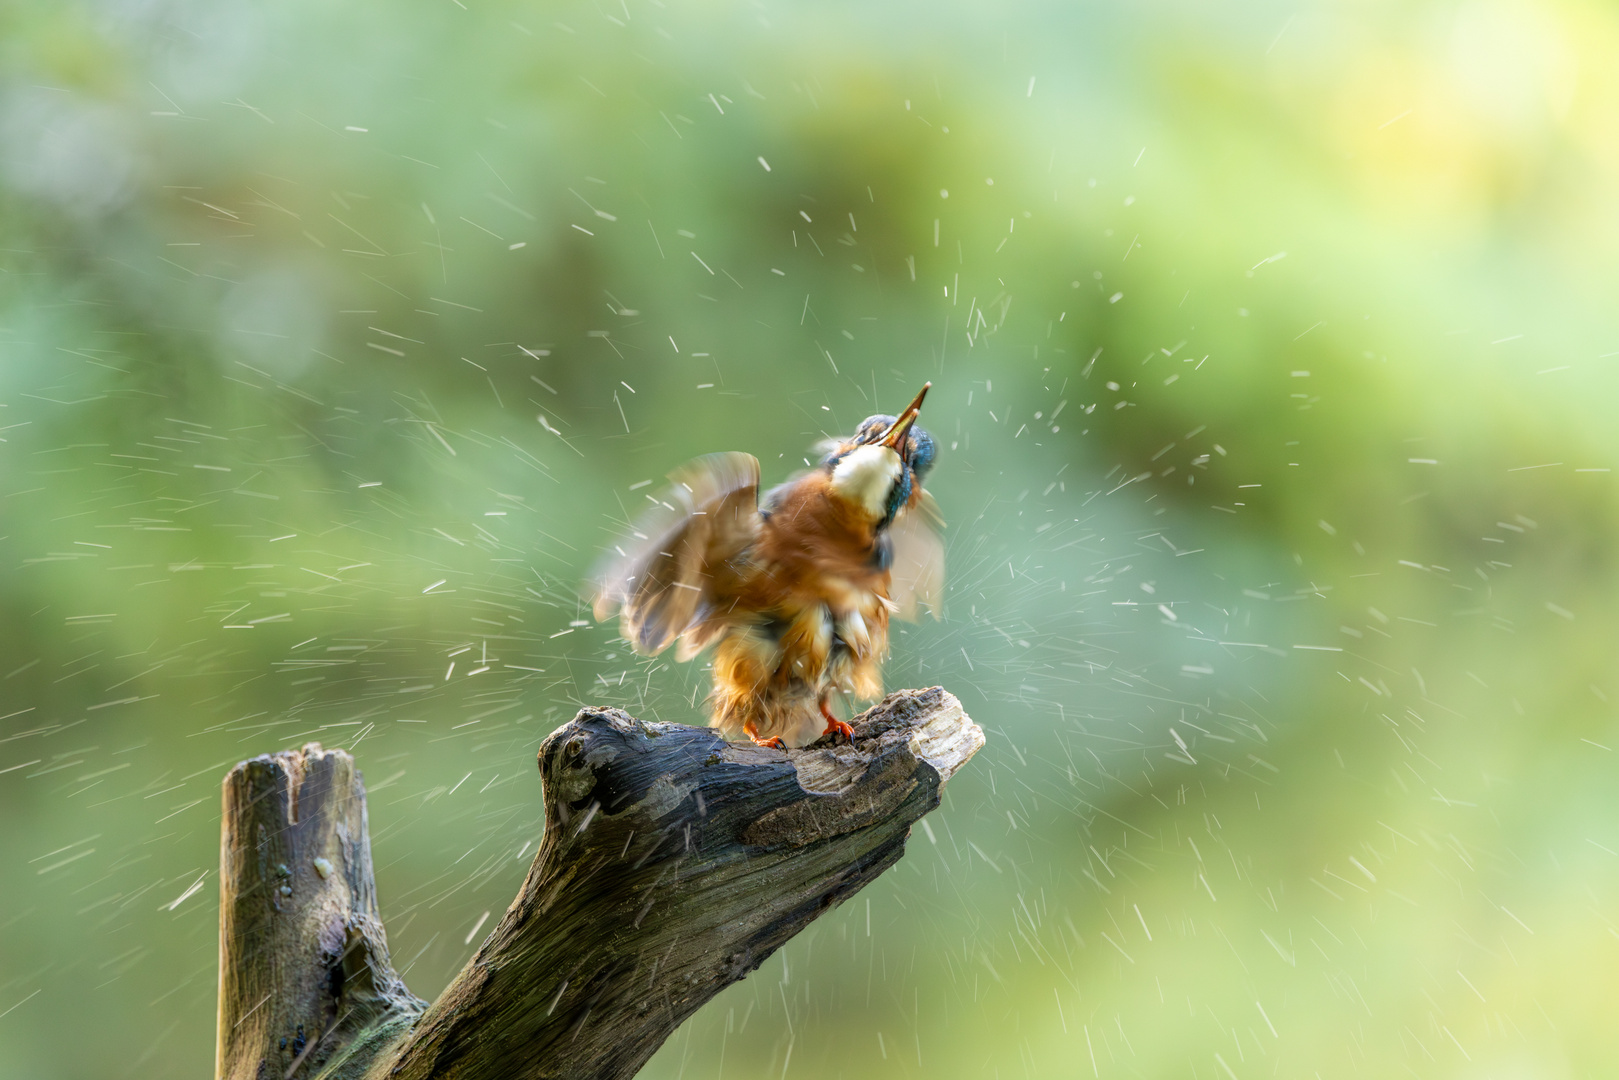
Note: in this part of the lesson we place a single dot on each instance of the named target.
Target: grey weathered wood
(303, 961)
(673, 863)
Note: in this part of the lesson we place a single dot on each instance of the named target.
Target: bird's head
(883, 463)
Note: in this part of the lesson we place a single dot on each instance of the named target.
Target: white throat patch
(866, 476)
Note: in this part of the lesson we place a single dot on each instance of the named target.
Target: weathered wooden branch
(673, 864)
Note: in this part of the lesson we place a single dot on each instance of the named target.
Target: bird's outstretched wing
(918, 566)
(663, 578)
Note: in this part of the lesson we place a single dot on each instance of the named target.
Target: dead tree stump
(673, 864)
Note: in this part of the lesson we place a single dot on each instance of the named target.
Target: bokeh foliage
(1273, 350)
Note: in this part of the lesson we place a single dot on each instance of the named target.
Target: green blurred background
(1274, 353)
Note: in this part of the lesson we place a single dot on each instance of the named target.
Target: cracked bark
(672, 864)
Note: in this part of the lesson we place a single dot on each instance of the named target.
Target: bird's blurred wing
(664, 573)
(918, 567)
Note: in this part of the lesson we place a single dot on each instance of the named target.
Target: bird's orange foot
(774, 743)
(835, 726)
(839, 727)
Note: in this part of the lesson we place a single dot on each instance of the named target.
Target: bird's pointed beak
(894, 437)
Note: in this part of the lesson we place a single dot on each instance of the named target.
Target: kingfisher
(795, 589)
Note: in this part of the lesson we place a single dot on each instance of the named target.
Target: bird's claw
(835, 726)
(775, 743)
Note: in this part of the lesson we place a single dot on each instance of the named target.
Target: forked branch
(673, 864)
